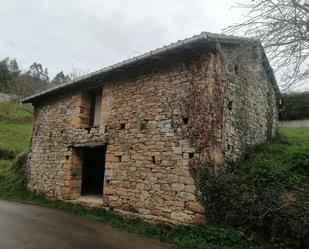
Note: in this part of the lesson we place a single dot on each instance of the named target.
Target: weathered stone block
(126, 184)
(178, 187)
(188, 180)
(186, 196)
(200, 218)
(195, 207)
(109, 190)
(75, 183)
(190, 189)
(172, 178)
(110, 158)
(181, 217)
(156, 212)
(177, 150)
(181, 172)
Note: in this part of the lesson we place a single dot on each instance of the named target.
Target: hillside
(285, 159)
(15, 126)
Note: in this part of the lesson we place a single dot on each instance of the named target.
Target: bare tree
(283, 28)
(25, 85)
(60, 78)
(77, 73)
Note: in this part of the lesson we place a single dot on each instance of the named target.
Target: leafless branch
(283, 28)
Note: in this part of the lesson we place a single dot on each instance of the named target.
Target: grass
(13, 111)
(284, 161)
(15, 136)
(15, 126)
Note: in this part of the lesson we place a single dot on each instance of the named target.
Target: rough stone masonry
(148, 157)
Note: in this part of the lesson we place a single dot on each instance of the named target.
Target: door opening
(93, 170)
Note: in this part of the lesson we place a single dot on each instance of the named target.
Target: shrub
(299, 163)
(295, 106)
(7, 154)
(18, 166)
(235, 198)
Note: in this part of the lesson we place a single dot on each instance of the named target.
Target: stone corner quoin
(141, 122)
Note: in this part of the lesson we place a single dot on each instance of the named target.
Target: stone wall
(294, 123)
(250, 106)
(147, 160)
(147, 168)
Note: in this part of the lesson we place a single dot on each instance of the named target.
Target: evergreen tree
(36, 71)
(60, 78)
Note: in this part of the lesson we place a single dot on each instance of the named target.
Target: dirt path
(31, 227)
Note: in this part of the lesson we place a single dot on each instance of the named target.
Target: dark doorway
(93, 170)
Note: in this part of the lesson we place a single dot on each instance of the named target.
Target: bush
(299, 163)
(295, 106)
(234, 198)
(18, 166)
(7, 154)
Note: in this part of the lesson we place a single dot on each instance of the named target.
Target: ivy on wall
(203, 104)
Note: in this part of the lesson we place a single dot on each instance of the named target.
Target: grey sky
(91, 34)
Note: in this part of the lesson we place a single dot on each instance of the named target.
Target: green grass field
(15, 126)
(13, 111)
(285, 160)
(15, 136)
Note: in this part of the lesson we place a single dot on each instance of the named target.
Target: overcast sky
(92, 34)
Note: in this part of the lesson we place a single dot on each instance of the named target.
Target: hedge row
(295, 106)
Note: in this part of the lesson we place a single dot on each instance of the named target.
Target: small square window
(185, 120)
(236, 69)
(118, 159)
(144, 124)
(229, 105)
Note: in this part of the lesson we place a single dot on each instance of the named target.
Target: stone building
(128, 135)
